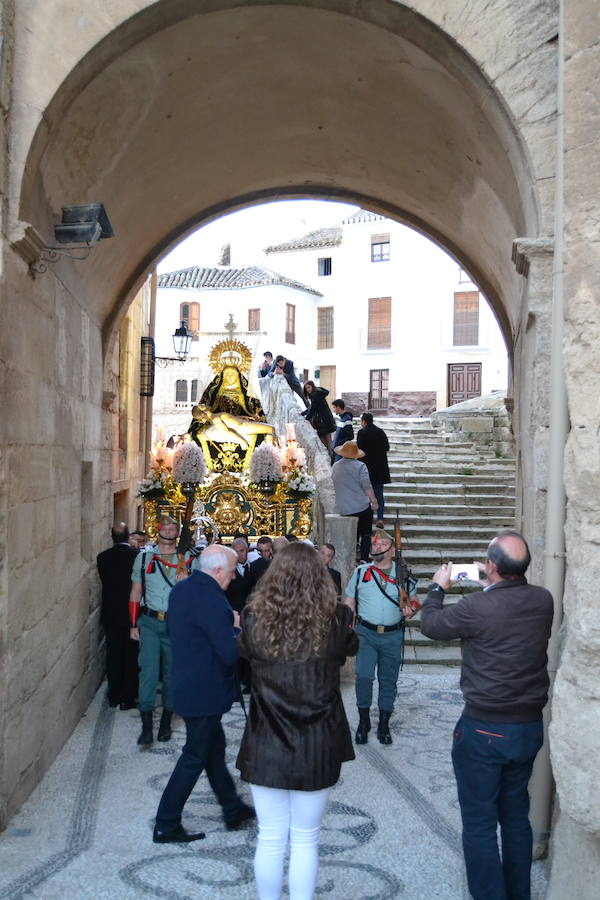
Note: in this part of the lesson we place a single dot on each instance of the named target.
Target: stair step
(454, 522)
(432, 656)
(452, 496)
(432, 500)
(401, 487)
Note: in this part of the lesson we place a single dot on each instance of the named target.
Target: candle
(291, 431)
(301, 456)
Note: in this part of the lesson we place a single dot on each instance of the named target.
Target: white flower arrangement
(155, 480)
(298, 479)
(265, 464)
(188, 463)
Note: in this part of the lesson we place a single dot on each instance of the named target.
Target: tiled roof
(227, 278)
(323, 237)
(363, 215)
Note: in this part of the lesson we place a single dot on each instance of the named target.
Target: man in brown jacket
(505, 630)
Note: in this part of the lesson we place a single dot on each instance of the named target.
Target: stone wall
(57, 493)
(400, 403)
(483, 420)
(575, 729)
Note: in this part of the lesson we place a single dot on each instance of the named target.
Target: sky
(259, 226)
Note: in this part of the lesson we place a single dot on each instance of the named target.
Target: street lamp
(181, 342)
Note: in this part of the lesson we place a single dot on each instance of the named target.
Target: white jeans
(299, 814)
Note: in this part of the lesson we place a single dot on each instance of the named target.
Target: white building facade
(370, 309)
(401, 329)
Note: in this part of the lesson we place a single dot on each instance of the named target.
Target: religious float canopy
(246, 479)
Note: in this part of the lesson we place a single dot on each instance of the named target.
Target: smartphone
(464, 572)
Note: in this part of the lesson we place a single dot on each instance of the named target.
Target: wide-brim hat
(350, 450)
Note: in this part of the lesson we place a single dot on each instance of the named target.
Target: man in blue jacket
(203, 630)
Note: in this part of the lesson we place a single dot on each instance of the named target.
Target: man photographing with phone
(504, 679)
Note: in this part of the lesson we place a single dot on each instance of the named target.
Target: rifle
(404, 579)
(185, 538)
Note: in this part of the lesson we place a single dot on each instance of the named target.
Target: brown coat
(297, 734)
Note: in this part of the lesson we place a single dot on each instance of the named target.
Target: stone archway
(183, 111)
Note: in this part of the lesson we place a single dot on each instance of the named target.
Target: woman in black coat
(318, 413)
(296, 636)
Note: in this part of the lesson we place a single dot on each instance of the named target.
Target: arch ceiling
(172, 123)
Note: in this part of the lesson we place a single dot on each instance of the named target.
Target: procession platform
(392, 828)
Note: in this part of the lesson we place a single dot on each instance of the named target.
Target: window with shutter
(466, 319)
(380, 247)
(290, 323)
(254, 320)
(379, 335)
(325, 328)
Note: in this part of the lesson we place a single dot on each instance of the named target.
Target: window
(194, 391)
(380, 323)
(380, 247)
(290, 323)
(378, 388)
(181, 390)
(189, 314)
(325, 328)
(254, 320)
(466, 319)
(325, 266)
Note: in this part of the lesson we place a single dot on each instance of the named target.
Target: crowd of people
(276, 622)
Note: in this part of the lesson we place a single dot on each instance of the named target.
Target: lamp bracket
(53, 254)
(165, 361)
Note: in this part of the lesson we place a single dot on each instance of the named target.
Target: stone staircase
(452, 498)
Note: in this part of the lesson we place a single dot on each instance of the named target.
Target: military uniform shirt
(371, 605)
(157, 589)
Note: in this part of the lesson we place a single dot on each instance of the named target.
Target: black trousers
(204, 749)
(121, 664)
(364, 528)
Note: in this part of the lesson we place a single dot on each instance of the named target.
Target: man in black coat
(375, 445)
(242, 582)
(203, 631)
(237, 594)
(327, 552)
(264, 546)
(114, 568)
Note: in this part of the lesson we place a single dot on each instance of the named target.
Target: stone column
(531, 420)
(575, 730)
(341, 532)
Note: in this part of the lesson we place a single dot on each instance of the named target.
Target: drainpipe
(542, 784)
(149, 400)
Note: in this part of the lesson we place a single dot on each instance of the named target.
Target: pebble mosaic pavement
(392, 828)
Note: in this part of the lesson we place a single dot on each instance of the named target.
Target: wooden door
(327, 380)
(464, 382)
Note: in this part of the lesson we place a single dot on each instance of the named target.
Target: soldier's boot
(383, 727)
(146, 737)
(164, 729)
(364, 726)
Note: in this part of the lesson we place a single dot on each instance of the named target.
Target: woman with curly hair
(296, 636)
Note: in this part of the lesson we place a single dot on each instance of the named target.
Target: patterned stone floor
(392, 828)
